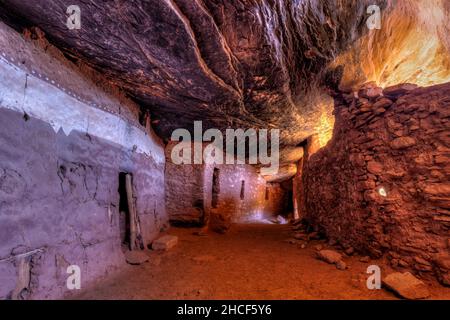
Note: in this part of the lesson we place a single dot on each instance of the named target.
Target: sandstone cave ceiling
(247, 63)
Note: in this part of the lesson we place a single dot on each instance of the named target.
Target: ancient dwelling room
(224, 150)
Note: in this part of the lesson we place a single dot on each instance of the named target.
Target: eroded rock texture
(247, 63)
(229, 63)
(412, 46)
(381, 185)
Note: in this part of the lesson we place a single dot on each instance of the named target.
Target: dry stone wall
(381, 185)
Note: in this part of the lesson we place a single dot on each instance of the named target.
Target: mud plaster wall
(184, 186)
(230, 205)
(401, 143)
(189, 192)
(60, 160)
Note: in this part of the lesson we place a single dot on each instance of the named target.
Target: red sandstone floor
(250, 262)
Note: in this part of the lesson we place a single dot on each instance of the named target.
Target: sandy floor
(250, 262)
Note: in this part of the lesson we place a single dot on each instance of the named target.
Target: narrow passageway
(229, 149)
(252, 261)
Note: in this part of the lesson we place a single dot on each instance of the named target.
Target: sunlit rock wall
(381, 185)
(63, 142)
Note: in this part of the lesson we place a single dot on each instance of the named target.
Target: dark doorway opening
(215, 188)
(242, 189)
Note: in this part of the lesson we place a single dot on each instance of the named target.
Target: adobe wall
(190, 188)
(63, 142)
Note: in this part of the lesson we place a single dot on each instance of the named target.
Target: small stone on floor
(364, 259)
(200, 233)
(332, 257)
(165, 243)
(406, 285)
(329, 256)
(318, 247)
(136, 257)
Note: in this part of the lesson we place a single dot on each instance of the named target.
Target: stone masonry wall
(381, 185)
(230, 206)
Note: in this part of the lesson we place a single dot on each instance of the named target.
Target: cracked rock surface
(246, 63)
(230, 63)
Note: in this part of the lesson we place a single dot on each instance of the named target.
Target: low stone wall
(381, 185)
(61, 154)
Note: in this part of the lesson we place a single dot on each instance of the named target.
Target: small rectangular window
(215, 188)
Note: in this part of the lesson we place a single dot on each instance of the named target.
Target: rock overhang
(251, 64)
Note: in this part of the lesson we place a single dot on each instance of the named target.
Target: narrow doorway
(215, 188)
(242, 189)
(124, 211)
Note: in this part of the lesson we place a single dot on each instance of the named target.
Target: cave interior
(126, 134)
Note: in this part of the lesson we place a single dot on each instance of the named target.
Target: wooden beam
(132, 209)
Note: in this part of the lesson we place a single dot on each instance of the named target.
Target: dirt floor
(249, 262)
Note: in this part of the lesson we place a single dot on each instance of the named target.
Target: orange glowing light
(412, 46)
(325, 129)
